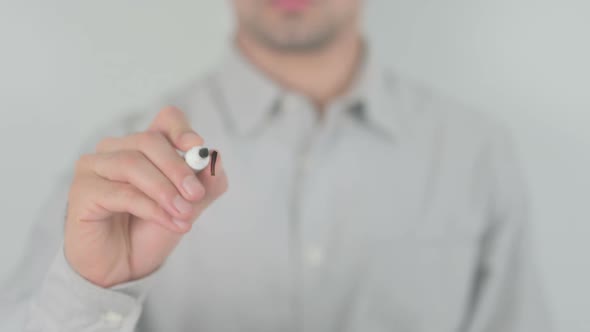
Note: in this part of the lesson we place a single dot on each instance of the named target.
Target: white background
(67, 67)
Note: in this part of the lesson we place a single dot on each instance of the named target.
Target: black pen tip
(213, 160)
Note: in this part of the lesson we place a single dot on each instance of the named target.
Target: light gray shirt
(399, 210)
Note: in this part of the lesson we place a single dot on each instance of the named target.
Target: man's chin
(293, 40)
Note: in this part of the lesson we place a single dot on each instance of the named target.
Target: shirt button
(314, 256)
(112, 318)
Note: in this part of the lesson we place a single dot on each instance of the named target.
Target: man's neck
(321, 75)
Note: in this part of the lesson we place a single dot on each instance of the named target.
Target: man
(346, 198)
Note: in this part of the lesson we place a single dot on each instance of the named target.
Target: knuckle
(131, 159)
(75, 192)
(167, 191)
(154, 209)
(177, 169)
(105, 143)
(125, 192)
(149, 138)
(83, 162)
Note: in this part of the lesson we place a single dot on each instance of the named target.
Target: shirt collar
(376, 88)
(251, 96)
(374, 94)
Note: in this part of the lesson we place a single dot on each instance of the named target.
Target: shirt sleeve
(507, 294)
(68, 302)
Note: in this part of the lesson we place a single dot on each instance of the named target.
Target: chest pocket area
(423, 279)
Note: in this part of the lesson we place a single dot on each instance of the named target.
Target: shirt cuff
(69, 301)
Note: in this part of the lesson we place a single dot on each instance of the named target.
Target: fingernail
(192, 186)
(190, 139)
(181, 205)
(183, 225)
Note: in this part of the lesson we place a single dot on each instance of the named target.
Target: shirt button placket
(314, 256)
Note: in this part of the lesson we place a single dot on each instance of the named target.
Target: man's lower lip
(291, 5)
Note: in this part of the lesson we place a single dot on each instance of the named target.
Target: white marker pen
(199, 157)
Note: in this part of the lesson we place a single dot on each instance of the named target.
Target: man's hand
(132, 200)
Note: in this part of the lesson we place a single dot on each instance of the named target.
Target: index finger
(174, 125)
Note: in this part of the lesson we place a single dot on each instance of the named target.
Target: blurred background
(68, 67)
